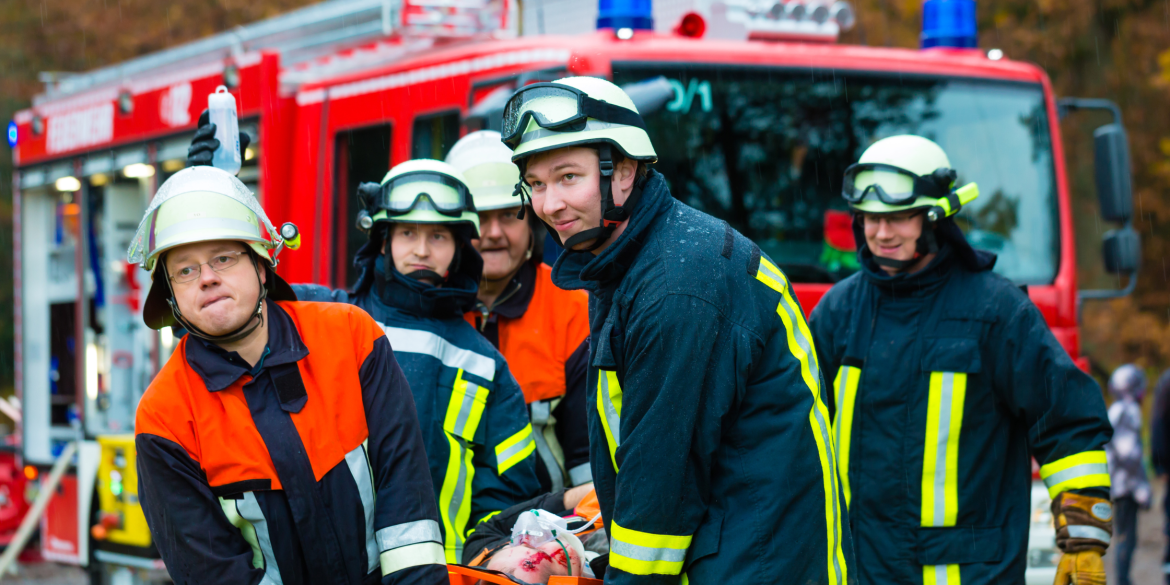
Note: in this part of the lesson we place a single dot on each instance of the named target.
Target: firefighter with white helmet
(948, 383)
(710, 444)
(419, 276)
(542, 331)
(280, 442)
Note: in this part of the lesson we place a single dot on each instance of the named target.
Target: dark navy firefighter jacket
(947, 382)
(307, 469)
(474, 419)
(710, 444)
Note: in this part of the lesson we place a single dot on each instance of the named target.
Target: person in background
(419, 276)
(1160, 454)
(542, 331)
(1130, 488)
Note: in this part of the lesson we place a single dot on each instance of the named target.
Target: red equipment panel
(60, 536)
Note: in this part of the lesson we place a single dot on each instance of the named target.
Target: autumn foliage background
(1115, 49)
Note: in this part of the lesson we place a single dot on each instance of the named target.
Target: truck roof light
(692, 25)
(949, 23)
(792, 20)
(631, 14)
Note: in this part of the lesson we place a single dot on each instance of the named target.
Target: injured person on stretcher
(542, 538)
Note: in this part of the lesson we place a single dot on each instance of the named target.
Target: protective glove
(203, 145)
(1081, 568)
(1084, 526)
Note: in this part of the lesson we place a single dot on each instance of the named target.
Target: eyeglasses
(219, 263)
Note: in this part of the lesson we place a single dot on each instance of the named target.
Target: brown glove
(1083, 523)
(1080, 568)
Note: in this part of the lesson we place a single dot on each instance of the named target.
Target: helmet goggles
(420, 190)
(893, 185)
(559, 108)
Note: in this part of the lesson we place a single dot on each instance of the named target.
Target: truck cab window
(362, 155)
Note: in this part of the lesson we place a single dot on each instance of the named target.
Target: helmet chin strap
(926, 244)
(612, 214)
(241, 332)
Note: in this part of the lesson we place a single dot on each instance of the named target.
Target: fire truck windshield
(765, 149)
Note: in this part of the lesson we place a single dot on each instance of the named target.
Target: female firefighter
(420, 275)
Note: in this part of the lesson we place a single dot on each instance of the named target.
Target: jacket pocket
(706, 541)
(958, 545)
(952, 354)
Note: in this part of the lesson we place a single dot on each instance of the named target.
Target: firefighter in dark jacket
(710, 444)
(947, 382)
(542, 331)
(419, 276)
(279, 443)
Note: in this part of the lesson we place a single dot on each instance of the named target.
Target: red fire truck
(754, 108)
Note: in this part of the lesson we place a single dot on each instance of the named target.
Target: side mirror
(649, 95)
(1111, 166)
(1122, 250)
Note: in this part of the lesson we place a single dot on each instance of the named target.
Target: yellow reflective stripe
(845, 388)
(646, 553)
(514, 449)
(800, 344)
(940, 458)
(464, 412)
(940, 575)
(411, 555)
(246, 530)
(465, 408)
(1082, 470)
(609, 409)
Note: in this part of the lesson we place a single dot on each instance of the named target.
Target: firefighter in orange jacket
(280, 443)
(542, 330)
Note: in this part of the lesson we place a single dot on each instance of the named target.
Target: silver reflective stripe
(590, 126)
(846, 371)
(555, 473)
(944, 436)
(940, 575)
(646, 553)
(465, 406)
(202, 224)
(457, 498)
(1075, 472)
(1089, 532)
(393, 537)
(611, 414)
(773, 275)
(425, 342)
(511, 452)
(249, 509)
(580, 474)
(359, 467)
(796, 317)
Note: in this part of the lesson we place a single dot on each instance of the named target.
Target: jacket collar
(220, 368)
(921, 283)
(513, 302)
(577, 270)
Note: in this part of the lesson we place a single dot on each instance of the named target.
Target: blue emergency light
(619, 14)
(12, 134)
(949, 23)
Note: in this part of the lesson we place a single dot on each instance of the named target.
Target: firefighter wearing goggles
(541, 330)
(707, 428)
(280, 442)
(419, 276)
(947, 383)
